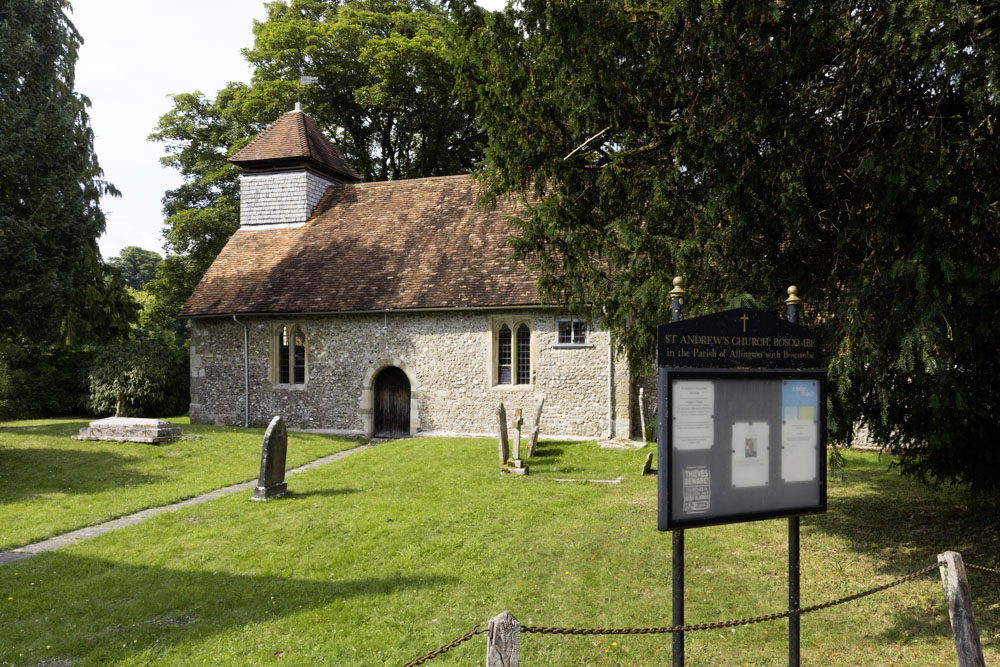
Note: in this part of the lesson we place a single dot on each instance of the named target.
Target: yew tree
(53, 285)
(850, 148)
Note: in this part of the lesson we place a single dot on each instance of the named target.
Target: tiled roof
(294, 136)
(420, 243)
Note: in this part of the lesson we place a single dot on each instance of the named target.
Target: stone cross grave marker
(517, 466)
(271, 482)
(518, 423)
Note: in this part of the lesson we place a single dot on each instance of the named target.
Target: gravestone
(538, 424)
(516, 465)
(502, 443)
(271, 482)
(129, 429)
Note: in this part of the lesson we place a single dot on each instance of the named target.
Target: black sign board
(740, 338)
(742, 433)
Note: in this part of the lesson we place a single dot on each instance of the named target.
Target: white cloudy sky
(135, 54)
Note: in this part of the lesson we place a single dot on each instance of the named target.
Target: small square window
(571, 332)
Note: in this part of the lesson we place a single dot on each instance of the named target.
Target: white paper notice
(799, 440)
(750, 445)
(693, 414)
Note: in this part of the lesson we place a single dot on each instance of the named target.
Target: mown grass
(384, 555)
(51, 484)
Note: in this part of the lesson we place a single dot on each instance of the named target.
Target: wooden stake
(963, 620)
(503, 641)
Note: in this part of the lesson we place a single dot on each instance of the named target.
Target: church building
(385, 309)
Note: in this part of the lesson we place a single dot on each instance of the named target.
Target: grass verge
(384, 555)
(51, 484)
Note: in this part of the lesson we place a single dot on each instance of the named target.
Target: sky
(136, 53)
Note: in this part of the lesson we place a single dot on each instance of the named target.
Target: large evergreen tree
(53, 285)
(848, 147)
(384, 95)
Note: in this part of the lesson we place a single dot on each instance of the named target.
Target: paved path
(93, 531)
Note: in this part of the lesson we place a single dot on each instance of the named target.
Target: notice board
(739, 443)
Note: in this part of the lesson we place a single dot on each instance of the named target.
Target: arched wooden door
(392, 404)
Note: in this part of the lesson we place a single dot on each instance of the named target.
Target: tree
(145, 375)
(384, 96)
(847, 147)
(54, 285)
(137, 265)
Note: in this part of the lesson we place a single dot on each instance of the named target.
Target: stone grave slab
(129, 429)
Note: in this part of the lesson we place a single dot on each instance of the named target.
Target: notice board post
(742, 432)
(793, 304)
(677, 294)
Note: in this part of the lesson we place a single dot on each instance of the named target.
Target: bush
(150, 373)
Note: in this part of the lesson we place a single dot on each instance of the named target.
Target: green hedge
(43, 381)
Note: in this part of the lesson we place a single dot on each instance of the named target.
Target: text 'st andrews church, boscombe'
(386, 309)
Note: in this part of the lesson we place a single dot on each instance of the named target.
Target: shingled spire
(286, 170)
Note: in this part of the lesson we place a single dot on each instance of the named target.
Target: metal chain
(981, 568)
(444, 649)
(725, 624)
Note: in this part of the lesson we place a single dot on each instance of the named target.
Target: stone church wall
(449, 359)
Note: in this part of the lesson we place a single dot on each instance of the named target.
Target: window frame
(571, 321)
(513, 325)
(287, 358)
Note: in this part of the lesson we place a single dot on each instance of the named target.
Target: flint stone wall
(448, 358)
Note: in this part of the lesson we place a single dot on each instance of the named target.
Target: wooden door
(392, 404)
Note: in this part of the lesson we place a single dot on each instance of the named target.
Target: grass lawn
(391, 552)
(51, 484)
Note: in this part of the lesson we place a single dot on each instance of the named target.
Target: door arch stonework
(367, 407)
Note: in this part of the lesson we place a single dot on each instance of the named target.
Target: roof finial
(298, 106)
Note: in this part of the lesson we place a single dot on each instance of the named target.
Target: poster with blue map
(799, 430)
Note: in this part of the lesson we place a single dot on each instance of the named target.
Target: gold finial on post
(678, 290)
(793, 304)
(677, 295)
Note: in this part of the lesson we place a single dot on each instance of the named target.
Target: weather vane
(304, 80)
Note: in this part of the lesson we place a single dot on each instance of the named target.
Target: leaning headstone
(647, 465)
(538, 424)
(271, 482)
(129, 429)
(502, 444)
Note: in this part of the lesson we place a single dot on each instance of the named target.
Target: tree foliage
(384, 95)
(137, 265)
(54, 285)
(847, 147)
(150, 372)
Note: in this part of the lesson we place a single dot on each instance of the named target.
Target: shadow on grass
(62, 428)
(320, 492)
(103, 611)
(32, 471)
(904, 526)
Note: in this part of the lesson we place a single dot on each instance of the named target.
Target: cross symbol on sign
(744, 318)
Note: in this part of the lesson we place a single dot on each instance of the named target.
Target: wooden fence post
(503, 641)
(963, 620)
